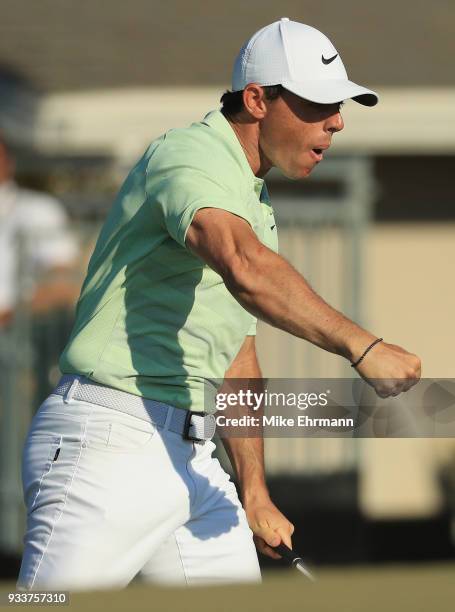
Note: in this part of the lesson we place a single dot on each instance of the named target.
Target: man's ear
(254, 96)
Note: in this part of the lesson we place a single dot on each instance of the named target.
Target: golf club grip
(286, 553)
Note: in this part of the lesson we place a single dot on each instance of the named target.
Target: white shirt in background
(34, 237)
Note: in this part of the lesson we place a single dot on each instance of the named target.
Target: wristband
(353, 365)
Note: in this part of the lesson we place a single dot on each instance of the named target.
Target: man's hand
(269, 525)
(389, 369)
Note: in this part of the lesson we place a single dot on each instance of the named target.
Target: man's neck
(248, 136)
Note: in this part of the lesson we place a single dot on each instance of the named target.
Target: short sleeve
(253, 328)
(184, 190)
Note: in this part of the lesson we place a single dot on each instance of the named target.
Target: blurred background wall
(85, 87)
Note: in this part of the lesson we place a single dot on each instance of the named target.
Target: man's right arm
(268, 286)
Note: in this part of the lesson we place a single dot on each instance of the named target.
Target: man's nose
(335, 123)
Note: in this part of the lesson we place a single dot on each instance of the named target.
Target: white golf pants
(109, 496)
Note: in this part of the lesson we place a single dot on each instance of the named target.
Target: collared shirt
(153, 319)
(34, 237)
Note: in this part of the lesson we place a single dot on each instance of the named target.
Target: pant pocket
(48, 466)
(111, 431)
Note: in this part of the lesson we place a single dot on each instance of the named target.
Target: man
(118, 475)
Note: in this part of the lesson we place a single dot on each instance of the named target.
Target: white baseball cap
(302, 60)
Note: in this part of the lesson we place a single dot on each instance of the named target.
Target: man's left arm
(269, 525)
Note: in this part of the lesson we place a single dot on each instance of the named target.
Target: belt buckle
(186, 428)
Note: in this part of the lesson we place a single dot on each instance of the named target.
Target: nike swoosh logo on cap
(329, 60)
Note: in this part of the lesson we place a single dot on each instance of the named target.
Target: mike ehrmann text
(302, 420)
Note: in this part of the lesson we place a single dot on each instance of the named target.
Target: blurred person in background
(38, 253)
(34, 239)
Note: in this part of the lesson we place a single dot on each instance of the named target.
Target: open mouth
(317, 154)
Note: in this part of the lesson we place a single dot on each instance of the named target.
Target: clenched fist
(390, 369)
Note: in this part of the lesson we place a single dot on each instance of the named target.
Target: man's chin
(297, 174)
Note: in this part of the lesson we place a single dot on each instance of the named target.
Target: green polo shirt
(152, 318)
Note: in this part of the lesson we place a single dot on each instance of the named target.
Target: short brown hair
(232, 101)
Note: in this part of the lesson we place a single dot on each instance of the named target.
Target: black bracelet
(353, 365)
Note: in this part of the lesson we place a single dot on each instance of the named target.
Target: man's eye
(322, 107)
